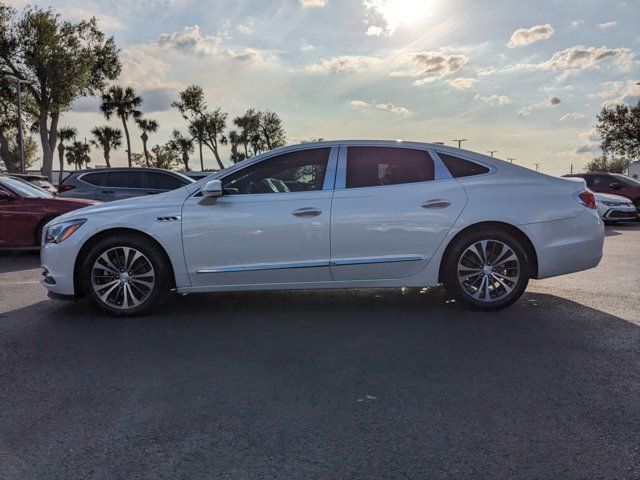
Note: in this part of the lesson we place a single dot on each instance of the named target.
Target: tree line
(59, 61)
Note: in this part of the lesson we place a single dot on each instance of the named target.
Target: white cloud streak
(525, 36)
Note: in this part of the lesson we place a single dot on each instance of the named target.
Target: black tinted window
(125, 179)
(99, 179)
(162, 181)
(292, 172)
(459, 167)
(375, 166)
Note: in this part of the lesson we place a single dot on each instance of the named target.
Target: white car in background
(342, 214)
(615, 208)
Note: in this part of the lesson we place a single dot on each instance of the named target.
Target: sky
(524, 78)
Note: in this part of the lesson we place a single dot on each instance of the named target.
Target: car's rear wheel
(126, 276)
(486, 269)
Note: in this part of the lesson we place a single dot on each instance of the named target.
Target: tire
(132, 291)
(468, 277)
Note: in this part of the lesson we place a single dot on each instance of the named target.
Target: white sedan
(615, 208)
(331, 215)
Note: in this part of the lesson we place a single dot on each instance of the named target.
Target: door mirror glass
(5, 196)
(213, 188)
(615, 185)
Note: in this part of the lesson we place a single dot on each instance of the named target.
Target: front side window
(377, 166)
(97, 179)
(300, 171)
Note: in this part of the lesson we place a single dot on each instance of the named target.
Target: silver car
(108, 184)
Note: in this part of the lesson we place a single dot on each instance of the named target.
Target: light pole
(491, 152)
(511, 159)
(459, 140)
(19, 104)
(537, 167)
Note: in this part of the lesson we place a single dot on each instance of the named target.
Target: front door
(271, 225)
(390, 212)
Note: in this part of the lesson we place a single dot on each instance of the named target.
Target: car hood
(610, 197)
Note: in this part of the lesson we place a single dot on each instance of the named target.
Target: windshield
(627, 180)
(24, 189)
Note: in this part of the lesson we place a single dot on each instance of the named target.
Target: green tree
(234, 141)
(248, 124)
(619, 127)
(60, 60)
(211, 124)
(65, 134)
(124, 103)
(272, 130)
(183, 145)
(261, 131)
(147, 126)
(78, 154)
(605, 164)
(106, 138)
(196, 129)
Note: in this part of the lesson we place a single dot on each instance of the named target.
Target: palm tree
(78, 154)
(106, 138)
(64, 135)
(123, 102)
(147, 126)
(235, 139)
(196, 129)
(182, 144)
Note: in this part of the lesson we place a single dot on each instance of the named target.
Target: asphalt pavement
(357, 384)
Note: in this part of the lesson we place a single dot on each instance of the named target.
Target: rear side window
(459, 167)
(125, 179)
(162, 181)
(377, 166)
(98, 179)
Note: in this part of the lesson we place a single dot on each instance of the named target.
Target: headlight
(612, 204)
(61, 231)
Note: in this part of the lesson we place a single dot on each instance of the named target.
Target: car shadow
(619, 228)
(321, 384)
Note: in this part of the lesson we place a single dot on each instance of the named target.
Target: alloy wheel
(488, 270)
(123, 277)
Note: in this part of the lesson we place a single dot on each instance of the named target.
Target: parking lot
(355, 384)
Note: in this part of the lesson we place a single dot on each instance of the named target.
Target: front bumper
(621, 213)
(58, 261)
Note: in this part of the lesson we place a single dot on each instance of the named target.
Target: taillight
(65, 188)
(586, 198)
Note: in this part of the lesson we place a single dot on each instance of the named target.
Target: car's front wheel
(126, 275)
(486, 269)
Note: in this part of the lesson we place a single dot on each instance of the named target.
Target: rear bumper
(568, 245)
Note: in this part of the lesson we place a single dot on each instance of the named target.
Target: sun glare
(403, 12)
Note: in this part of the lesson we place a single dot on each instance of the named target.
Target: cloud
(374, 31)
(383, 17)
(158, 99)
(430, 66)
(142, 69)
(105, 21)
(622, 92)
(246, 27)
(576, 23)
(344, 63)
(462, 83)
(312, 3)
(493, 99)
(385, 107)
(251, 56)
(190, 38)
(602, 26)
(586, 58)
(549, 102)
(525, 36)
(572, 116)
(306, 47)
(587, 148)
(86, 105)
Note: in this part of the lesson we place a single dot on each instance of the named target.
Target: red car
(25, 209)
(612, 183)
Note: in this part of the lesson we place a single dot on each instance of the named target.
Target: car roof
(121, 169)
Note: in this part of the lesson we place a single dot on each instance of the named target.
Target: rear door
(158, 182)
(123, 184)
(392, 207)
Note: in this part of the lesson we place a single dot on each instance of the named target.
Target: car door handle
(307, 212)
(436, 203)
(107, 191)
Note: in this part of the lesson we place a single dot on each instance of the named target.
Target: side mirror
(4, 196)
(615, 185)
(213, 188)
